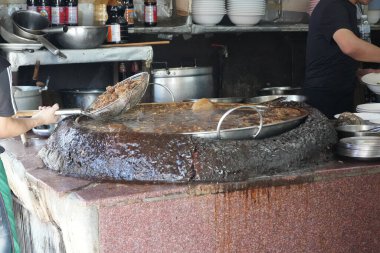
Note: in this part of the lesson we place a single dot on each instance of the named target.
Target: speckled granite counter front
(333, 209)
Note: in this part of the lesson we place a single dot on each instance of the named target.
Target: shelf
(26, 58)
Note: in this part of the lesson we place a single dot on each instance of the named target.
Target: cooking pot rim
(209, 68)
(281, 88)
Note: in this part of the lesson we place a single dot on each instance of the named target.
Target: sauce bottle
(150, 12)
(71, 12)
(130, 13)
(43, 7)
(117, 24)
(58, 12)
(100, 12)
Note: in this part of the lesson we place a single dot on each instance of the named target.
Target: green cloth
(7, 197)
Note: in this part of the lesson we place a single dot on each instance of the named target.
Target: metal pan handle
(239, 107)
(167, 89)
(50, 46)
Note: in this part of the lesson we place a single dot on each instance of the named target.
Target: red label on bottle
(72, 15)
(150, 14)
(58, 15)
(45, 11)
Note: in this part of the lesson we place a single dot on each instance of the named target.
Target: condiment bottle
(150, 12)
(31, 5)
(71, 12)
(365, 28)
(117, 25)
(43, 7)
(58, 12)
(86, 12)
(130, 13)
(100, 12)
(122, 71)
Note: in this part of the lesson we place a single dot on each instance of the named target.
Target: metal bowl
(288, 98)
(285, 90)
(355, 131)
(82, 37)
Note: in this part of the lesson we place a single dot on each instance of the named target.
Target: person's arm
(10, 127)
(355, 47)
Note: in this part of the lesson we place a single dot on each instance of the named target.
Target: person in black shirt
(333, 52)
(10, 127)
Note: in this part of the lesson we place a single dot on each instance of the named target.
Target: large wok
(81, 37)
(124, 103)
(31, 25)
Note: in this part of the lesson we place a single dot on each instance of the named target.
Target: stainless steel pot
(27, 97)
(285, 90)
(79, 98)
(184, 82)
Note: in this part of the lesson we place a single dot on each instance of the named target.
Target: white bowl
(373, 16)
(372, 80)
(207, 19)
(242, 20)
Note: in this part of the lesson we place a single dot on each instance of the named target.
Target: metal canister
(184, 82)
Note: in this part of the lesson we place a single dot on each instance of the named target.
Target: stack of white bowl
(208, 12)
(312, 4)
(246, 12)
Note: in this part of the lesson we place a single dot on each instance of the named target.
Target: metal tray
(360, 148)
(258, 132)
(220, 100)
(287, 98)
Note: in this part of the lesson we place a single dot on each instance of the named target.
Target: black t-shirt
(6, 107)
(327, 67)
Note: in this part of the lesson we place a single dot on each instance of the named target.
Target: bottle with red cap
(58, 12)
(71, 12)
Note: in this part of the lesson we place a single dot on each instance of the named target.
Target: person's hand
(46, 115)
(362, 72)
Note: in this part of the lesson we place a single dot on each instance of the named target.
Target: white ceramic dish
(372, 80)
(364, 116)
(370, 107)
(243, 20)
(207, 19)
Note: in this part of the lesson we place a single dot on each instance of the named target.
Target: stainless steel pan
(24, 30)
(6, 31)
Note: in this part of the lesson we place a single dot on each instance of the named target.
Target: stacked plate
(208, 12)
(246, 12)
(312, 4)
(369, 108)
(362, 148)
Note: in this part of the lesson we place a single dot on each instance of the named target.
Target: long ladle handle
(50, 46)
(30, 113)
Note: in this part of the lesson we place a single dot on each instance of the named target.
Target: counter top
(302, 211)
(27, 154)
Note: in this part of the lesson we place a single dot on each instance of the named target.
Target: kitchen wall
(252, 61)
